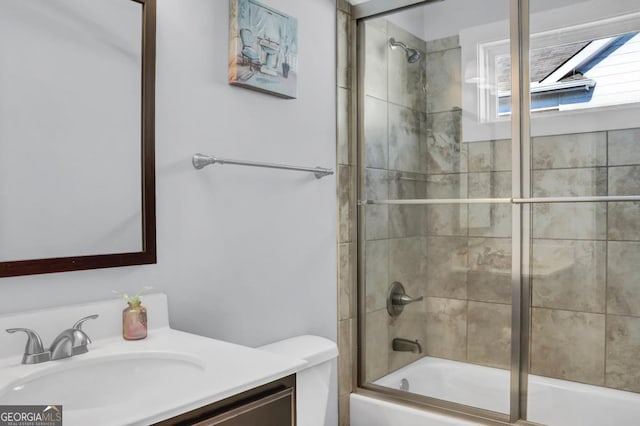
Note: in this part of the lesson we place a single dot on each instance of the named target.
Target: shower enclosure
(499, 184)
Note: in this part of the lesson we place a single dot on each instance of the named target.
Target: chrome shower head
(412, 54)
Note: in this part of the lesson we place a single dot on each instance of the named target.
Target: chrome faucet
(70, 342)
(34, 353)
(405, 345)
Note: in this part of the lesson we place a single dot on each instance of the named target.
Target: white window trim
(480, 45)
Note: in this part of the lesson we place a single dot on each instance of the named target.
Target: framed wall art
(263, 48)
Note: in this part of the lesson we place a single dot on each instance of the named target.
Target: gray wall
(245, 255)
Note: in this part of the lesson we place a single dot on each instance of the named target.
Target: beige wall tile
(623, 221)
(376, 216)
(623, 291)
(343, 50)
(568, 345)
(343, 131)
(346, 344)
(569, 275)
(343, 5)
(408, 325)
(377, 280)
(624, 180)
(344, 410)
(403, 186)
(490, 156)
(587, 221)
(447, 265)
(446, 328)
(375, 58)
(445, 153)
(576, 150)
(406, 137)
(377, 345)
(447, 219)
(623, 347)
(489, 334)
(570, 221)
(346, 204)
(406, 221)
(376, 133)
(346, 281)
(491, 219)
(489, 276)
(443, 81)
(406, 80)
(376, 222)
(623, 147)
(407, 263)
(570, 182)
(443, 43)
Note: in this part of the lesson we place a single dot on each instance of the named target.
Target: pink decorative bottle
(134, 321)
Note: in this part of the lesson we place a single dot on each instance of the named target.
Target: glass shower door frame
(521, 201)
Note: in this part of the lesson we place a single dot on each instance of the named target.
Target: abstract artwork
(263, 48)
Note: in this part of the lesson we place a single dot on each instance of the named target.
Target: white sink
(133, 383)
(106, 381)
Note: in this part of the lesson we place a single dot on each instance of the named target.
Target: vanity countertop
(135, 382)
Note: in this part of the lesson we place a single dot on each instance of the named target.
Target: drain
(404, 385)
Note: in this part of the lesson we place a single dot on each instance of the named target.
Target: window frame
(481, 45)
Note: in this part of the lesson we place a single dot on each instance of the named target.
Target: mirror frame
(148, 201)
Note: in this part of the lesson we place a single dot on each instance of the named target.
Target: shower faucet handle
(403, 299)
(397, 298)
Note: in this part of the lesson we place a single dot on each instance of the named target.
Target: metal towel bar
(200, 160)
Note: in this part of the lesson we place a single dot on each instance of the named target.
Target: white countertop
(223, 369)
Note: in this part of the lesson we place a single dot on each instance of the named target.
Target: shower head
(412, 54)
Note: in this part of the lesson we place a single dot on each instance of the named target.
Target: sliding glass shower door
(437, 218)
(499, 208)
(584, 233)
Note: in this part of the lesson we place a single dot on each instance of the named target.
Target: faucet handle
(403, 299)
(397, 298)
(34, 352)
(78, 324)
(80, 339)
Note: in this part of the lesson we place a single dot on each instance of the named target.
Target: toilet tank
(313, 379)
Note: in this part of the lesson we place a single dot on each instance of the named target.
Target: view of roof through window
(588, 74)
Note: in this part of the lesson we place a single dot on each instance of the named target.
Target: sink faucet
(70, 342)
(405, 345)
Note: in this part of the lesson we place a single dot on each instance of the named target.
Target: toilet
(313, 379)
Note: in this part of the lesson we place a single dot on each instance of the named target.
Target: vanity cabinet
(273, 404)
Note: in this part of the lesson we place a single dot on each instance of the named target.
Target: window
(572, 76)
(583, 68)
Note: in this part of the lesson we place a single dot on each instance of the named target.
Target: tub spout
(406, 345)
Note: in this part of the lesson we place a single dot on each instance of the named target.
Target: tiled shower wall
(395, 120)
(586, 298)
(346, 183)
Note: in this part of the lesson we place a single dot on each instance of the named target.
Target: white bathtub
(551, 402)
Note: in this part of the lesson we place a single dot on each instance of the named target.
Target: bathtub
(551, 401)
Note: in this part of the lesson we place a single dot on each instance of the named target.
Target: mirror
(77, 167)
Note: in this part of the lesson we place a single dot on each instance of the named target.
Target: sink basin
(81, 384)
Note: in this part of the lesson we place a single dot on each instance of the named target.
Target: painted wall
(411, 20)
(246, 255)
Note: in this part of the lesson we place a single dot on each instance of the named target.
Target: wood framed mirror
(77, 135)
